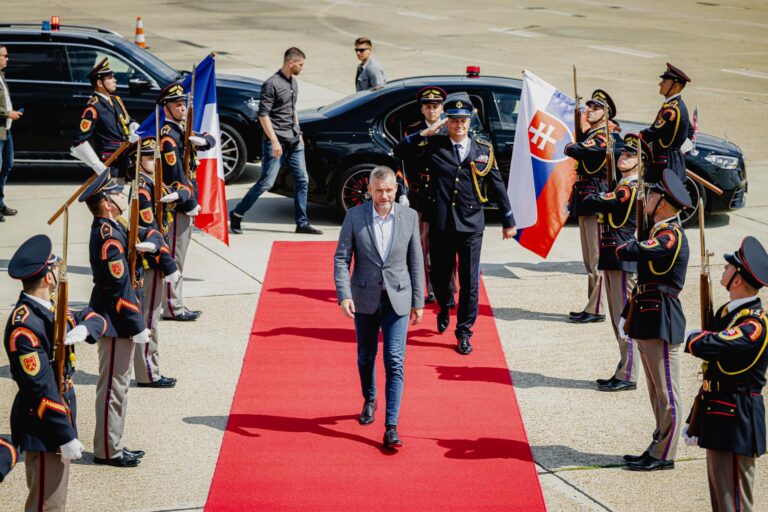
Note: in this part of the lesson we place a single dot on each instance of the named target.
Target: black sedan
(346, 139)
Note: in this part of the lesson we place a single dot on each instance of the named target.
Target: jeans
(270, 167)
(6, 162)
(395, 329)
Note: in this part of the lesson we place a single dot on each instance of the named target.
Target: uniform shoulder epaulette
(94, 100)
(165, 130)
(122, 222)
(20, 314)
(105, 231)
(483, 142)
(673, 103)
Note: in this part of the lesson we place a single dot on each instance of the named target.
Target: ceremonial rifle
(577, 109)
(640, 202)
(125, 145)
(133, 227)
(158, 190)
(610, 160)
(188, 127)
(60, 321)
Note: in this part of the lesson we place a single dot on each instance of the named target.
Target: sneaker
(306, 229)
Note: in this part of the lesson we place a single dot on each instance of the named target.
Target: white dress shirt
(734, 304)
(463, 148)
(383, 229)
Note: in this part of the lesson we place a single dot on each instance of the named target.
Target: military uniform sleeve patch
(18, 333)
(170, 158)
(20, 314)
(753, 328)
(46, 404)
(105, 231)
(730, 334)
(116, 268)
(109, 244)
(85, 125)
(623, 193)
(30, 363)
(146, 215)
(165, 130)
(648, 244)
(672, 238)
(589, 143)
(94, 100)
(123, 303)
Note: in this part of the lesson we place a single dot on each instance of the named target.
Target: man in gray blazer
(387, 286)
(369, 74)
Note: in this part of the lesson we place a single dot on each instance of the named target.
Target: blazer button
(455, 191)
(457, 180)
(453, 204)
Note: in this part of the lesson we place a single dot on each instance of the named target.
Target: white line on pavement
(515, 32)
(421, 15)
(747, 72)
(625, 51)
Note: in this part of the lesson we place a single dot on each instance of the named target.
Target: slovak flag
(541, 176)
(211, 193)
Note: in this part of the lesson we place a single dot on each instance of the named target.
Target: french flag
(211, 193)
(541, 176)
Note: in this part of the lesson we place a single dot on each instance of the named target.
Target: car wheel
(353, 186)
(233, 153)
(690, 215)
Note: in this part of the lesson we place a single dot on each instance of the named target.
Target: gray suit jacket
(402, 273)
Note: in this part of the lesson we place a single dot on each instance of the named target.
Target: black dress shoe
(118, 462)
(2, 218)
(443, 320)
(10, 212)
(186, 316)
(367, 416)
(391, 439)
(430, 299)
(618, 385)
(234, 223)
(576, 313)
(650, 464)
(308, 230)
(603, 382)
(586, 318)
(162, 382)
(132, 454)
(195, 312)
(463, 346)
(635, 458)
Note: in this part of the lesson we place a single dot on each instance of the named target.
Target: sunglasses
(361, 50)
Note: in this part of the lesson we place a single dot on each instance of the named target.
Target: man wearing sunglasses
(370, 74)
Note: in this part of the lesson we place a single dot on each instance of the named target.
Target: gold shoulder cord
(677, 126)
(477, 172)
(741, 315)
(629, 210)
(674, 258)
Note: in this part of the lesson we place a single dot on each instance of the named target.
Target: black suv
(47, 75)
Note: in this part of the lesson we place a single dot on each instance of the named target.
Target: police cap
(751, 262)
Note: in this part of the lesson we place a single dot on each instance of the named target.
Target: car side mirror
(138, 84)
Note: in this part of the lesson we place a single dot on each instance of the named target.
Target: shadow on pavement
(555, 457)
(525, 380)
(525, 314)
(485, 448)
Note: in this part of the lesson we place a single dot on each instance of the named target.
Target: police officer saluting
(654, 316)
(671, 128)
(592, 164)
(619, 221)
(728, 416)
(42, 424)
(461, 171)
(106, 121)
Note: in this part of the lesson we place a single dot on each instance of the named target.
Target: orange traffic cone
(140, 41)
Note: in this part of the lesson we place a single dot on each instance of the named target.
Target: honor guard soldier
(654, 316)
(174, 103)
(417, 171)
(8, 457)
(619, 222)
(671, 128)
(729, 413)
(43, 420)
(157, 269)
(114, 297)
(105, 121)
(590, 155)
(463, 175)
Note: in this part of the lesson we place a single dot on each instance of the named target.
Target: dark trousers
(445, 246)
(6, 163)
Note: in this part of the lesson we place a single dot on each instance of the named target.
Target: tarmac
(577, 434)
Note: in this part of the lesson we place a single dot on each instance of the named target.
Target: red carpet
(293, 441)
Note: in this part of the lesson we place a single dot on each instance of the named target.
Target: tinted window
(145, 59)
(82, 60)
(39, 62)
(506, 106)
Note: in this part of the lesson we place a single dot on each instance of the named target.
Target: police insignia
(459, 104)
(757, 329)
(146, 215)
(116, 268)
(589, 143)
(731, 334)
(649, 243)
(170, 158)
(20, 314)
(30, 363)
(85, 125)
(482, 159)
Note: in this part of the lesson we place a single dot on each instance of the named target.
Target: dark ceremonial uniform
(40, 421)
(655, 320)
(8, 457)
(417, 172)
(172, 151)
(669, 131)
(729, 409)
(459, 187)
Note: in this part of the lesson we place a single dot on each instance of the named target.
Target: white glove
(622, 321)
(142, 337)
(146, 247)
(194, 211)
(197, 140)
(173, 278)
(72, 450)
(404, 200)
(173, 196)
(85, 153)
(132, 135)
(689, 440)
(76, 335)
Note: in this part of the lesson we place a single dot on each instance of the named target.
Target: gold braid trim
(629, 210)
(477, 172)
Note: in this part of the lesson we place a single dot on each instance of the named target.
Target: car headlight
(722, 161)
(252, 104)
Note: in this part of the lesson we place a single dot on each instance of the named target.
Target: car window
(399, 119)
(82, 60)
(145, 60)
(506, 107)
(38, 62)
